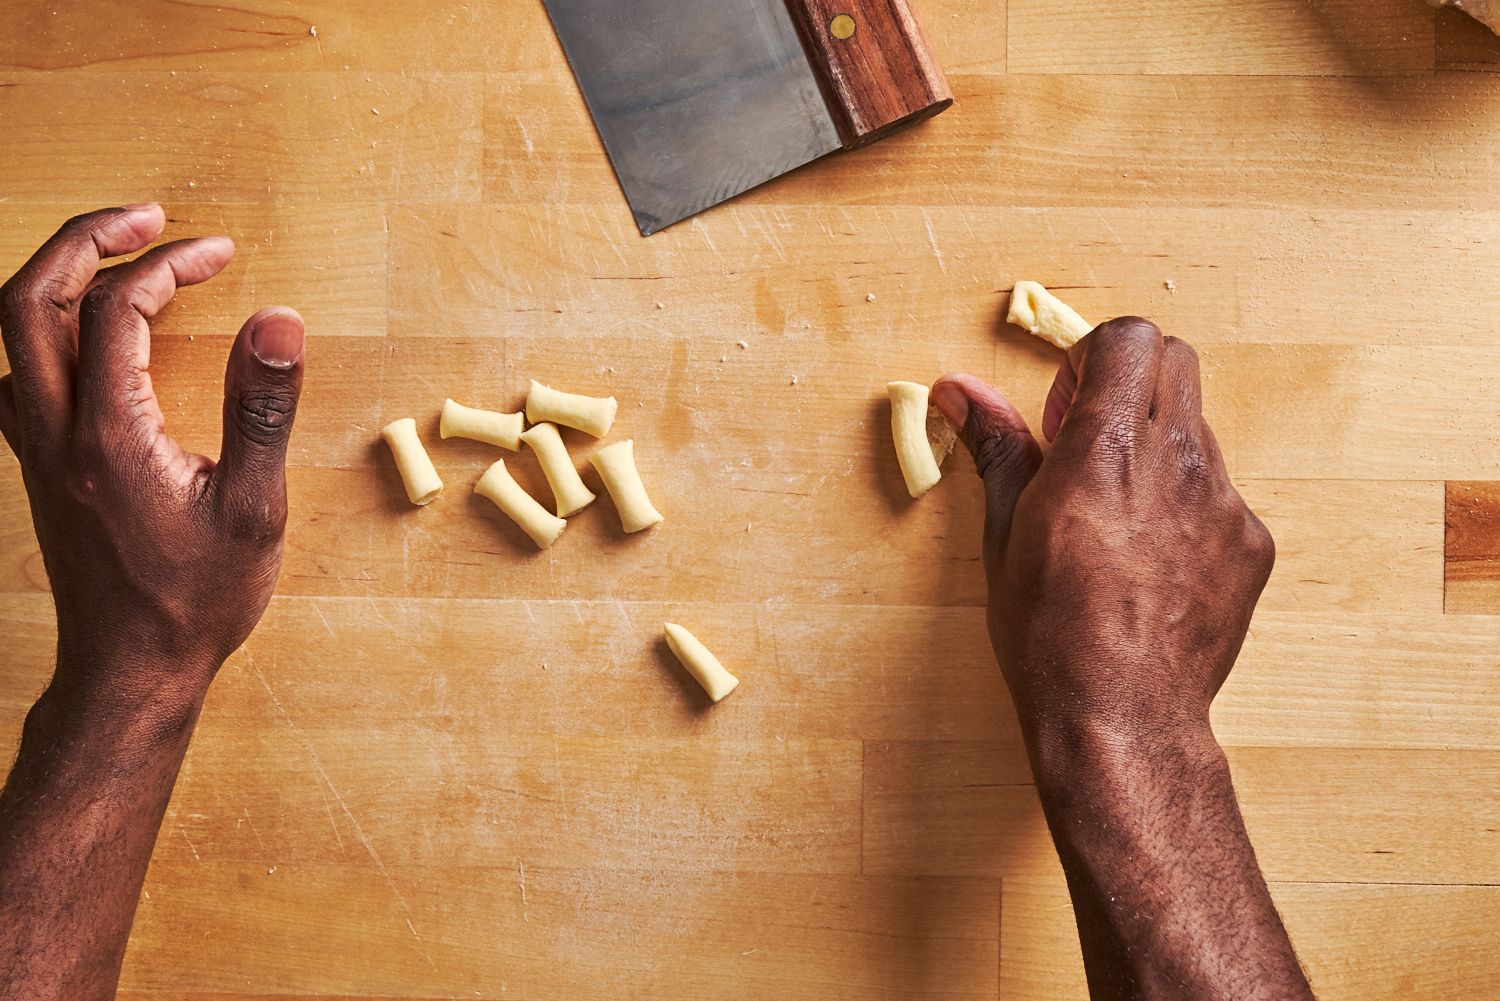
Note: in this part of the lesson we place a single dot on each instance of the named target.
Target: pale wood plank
(1314, 814)
(751, 270)
(1342, 544)
(1089, 140)
(296, 789)
(1471, 563)
(967, 36)
(327, 261)
(278, 35)
(1356, 942)
(1349, 412)
(101, 138)
(1319, 678)
(1365, 38)
(218, 930)
(1355, 545)
(816, 671)
(1379, 413)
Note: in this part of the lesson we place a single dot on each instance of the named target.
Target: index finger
(36, 305)
(61, 270)
(1108, 378)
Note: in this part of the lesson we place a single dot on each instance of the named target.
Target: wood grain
(1255, 38)
(1384, 941)
(873, 64)
(529, 931)
(1314, 143)
(448, 766)
(960, 809)
(1471, 549)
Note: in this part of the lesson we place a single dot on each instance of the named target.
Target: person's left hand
(161, 561)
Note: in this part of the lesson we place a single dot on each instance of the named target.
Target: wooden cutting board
(447, 765)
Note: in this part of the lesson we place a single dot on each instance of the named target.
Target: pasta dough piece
(591, 414)
(909, 430)
(536, 521)
(616, 465)
(422, 481)
(487, 426)
(1045, 315)
(701, 664)
(567, 486)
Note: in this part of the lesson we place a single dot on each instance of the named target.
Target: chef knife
(699, 100)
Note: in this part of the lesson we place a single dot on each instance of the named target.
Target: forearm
(1169, 898)
(78, 820)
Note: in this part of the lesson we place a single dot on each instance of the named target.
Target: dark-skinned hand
(160, 561)
(1123, 565)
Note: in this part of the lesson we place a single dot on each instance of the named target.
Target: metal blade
(696, 100)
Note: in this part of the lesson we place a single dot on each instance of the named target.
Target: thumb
(262, 384)
(1005, 454)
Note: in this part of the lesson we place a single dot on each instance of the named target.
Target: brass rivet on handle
(842, 26)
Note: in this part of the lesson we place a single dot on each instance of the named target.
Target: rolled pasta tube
(1047, 316)
(536, 521)
(909, 429)
(417, 473)
(616, 465)
(487, 426)
(700, 662)
(591, 414)
(567, 486)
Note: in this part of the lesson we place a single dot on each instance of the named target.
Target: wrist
(135, 697)
(1094, 762)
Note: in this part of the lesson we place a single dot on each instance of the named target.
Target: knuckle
(266, 414)
(1132, 329)
(23, 294)
(1261, 543)
(82, 222)
(104, 297)
(1113, 447)
(1178, 346)
(999, 454)
(1191, 459)
(259, 521)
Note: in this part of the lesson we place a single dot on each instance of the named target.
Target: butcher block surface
(448, 765)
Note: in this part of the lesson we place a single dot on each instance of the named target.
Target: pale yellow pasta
(591, 414)
(536, 521)
(700, 662)
(417, 473)
(487, 426)
(616, 465)
(1047, 316)
(909, 430)
(567, 486)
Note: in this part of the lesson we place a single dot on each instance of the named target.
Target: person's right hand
(1123, 566)
(161, 561)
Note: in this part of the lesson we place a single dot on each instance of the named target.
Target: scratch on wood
(323, 619)
(359, 831)
(932, 242)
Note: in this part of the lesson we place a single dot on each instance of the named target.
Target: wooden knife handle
(872, 60)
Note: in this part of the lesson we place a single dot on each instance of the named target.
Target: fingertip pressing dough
(616, 465)
(591, 414)
(567, 486)
(417, 473)
(487, 426)
(700, 662)
(536, 521)
(1047, 316)
(909, 430)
